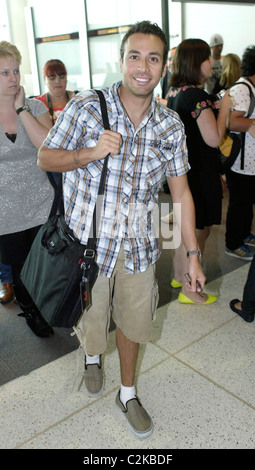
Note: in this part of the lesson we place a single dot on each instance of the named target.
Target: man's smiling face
(142, 63)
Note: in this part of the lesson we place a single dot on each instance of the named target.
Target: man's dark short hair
(248, 61)
(145, 27)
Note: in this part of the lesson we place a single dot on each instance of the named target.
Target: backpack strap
(252, 96)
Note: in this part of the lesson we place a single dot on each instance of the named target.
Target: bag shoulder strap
(58, 198)
(249, 80)
(103, 109)
(98, 206)
(106, 126)
(252, 97)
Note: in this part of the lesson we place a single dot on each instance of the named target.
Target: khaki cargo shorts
(131, 299)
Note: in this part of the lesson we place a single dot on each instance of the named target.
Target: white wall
(236, 23)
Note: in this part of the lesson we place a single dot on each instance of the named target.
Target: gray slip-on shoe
(94, 379)
(138, 419)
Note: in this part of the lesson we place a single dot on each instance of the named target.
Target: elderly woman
(26, 194)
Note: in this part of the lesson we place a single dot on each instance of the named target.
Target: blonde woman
(25, 192)
(231, 72)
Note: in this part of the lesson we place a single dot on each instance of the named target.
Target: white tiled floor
(196, 379)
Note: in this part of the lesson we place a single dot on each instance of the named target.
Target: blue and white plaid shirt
(133, 179)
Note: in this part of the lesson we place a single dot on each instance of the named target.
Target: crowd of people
(60, 134)
(196, 100)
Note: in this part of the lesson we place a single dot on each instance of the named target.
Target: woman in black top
(192, 65)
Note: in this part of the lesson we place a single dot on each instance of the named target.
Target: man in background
(216, 45)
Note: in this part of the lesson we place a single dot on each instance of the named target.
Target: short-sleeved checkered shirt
(133, 179)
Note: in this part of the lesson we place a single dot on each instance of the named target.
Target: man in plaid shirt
(146, 140)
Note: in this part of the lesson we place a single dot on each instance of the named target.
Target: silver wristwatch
(194, 252)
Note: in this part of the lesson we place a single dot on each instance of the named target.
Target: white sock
(92, 359)
(126, 393)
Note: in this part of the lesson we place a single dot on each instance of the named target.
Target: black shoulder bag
(59, 271)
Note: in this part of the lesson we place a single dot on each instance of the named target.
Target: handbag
(229, 149)
(59, 272)
(233, 142)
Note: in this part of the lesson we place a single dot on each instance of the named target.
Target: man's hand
(110, 142)
(196, 275)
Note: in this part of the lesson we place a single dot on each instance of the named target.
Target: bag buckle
(89, 253)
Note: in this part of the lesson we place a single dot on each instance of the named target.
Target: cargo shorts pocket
(154, 299)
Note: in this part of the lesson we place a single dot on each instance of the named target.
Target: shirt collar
(117, 108)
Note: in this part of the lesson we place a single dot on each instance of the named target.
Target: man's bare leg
(128, 351)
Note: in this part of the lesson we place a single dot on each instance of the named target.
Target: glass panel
(52, 17)
(65, 51)
(4, 22)
(55, 18)
(104, 50)
(105, 65)
(175, 24)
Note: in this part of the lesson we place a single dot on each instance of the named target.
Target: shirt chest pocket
(93, 169)
(91, 138)
(156, 165)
